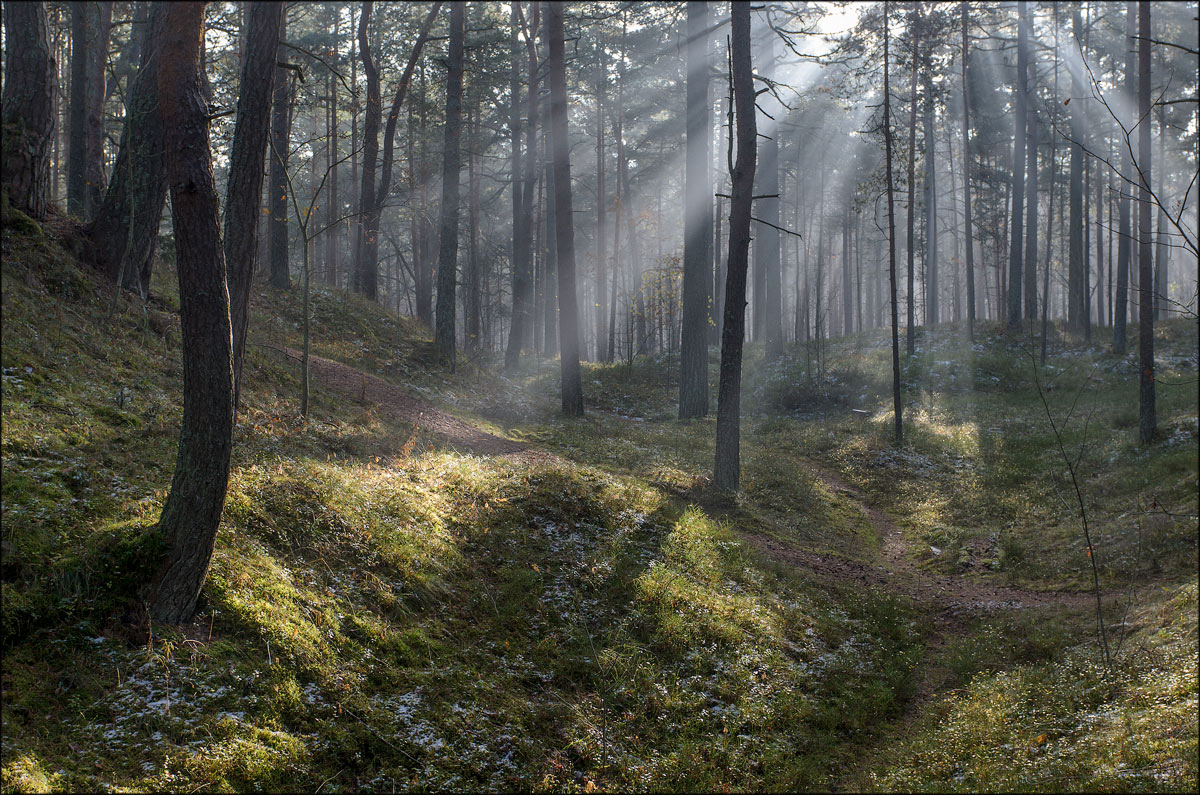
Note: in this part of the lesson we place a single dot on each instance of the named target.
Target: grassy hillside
(385, 612)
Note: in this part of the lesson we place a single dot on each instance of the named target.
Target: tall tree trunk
(1031, 201)
(77, 110)
(932, 315)
(192, 511)
(125, 229)
(1147, 414)
(1161, 250)
(281, 124)
(96, 92)
(1075, 272)
(601, 299)
(727, 464)
(519, 266)
(1050, 205)
(28, 108)
(472, 315)
(847, 295)
(568, 311)
(448, 250)
(897, 406)
(766, 247)
(333, 209)
(372, 197)
(967, 231)
(1015, 257)
(520, 336)
(910, 339)
(697, 223)
(1124, 247)
(366, 267)
(243, 192)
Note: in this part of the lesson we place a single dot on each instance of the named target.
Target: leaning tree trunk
(243, 193)
(192, 511)
(727, 463)
(564, 223)
(448, 252)
(125, 229)
(371, 203)
(28, 108)
(697, 224)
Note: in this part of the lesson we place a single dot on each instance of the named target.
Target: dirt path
(951, 597)
(428, 418)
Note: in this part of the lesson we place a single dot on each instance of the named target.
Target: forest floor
(435, 581)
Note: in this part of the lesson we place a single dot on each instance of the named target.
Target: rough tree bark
(727, 463)
(243, 192)
(568, 305)
(28, 108)
(125, 229)
(697, 223)
(448, 252)
(192, 511)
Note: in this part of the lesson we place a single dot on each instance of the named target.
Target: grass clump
(1067, 723)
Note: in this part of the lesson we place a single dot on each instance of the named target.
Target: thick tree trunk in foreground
(243, 193)
(697, 224)
(448, 253)
(125, 229)
(564, 223)
(727, 464)
(281, 124)
(28, 108)
(192, 511)
(1147, 413)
